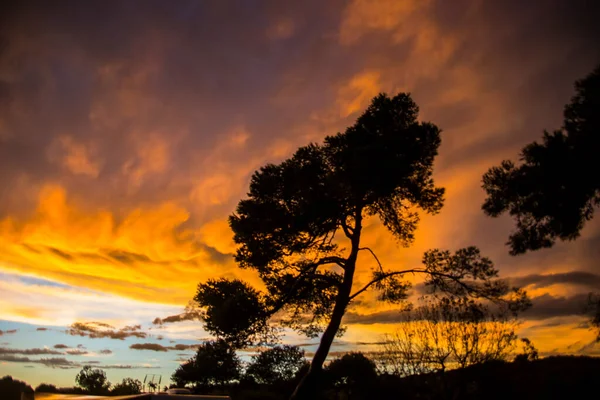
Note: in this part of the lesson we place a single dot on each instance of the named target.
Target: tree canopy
(275, 365)
(46, 388)
(234, 311)
(215, 363)
(553, 190)
(92, 380)
(352, 369)
(300, 228)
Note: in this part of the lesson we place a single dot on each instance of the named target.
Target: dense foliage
(352, 370)
(11, 389)
(275, 365)
(215, 363)
(126, 387)
(553, 190)
(46, 388)
(93, 381)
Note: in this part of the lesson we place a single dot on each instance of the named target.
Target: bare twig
(374, 256)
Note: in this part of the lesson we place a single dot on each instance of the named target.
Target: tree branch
(331, 238)
(381, 278)
(331, 260)
(312, 267)
(415, 270)
(347, 230)
(327, 278)
(374, 256)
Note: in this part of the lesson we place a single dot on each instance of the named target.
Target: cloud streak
(98, 330)
(158, 347)
(581, 278)
(543, 307)
(186, 316)
(148, 346)
(76, 352)
(32, 352)
(63, 363)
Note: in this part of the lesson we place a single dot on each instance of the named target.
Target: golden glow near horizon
(123, 150)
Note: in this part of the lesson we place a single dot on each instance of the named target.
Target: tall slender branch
(374, 256)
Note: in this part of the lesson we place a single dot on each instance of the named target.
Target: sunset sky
(129, 131)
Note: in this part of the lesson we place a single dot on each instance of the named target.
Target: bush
(11, 389)
(127, 386)
(46, 388)
(93, 381)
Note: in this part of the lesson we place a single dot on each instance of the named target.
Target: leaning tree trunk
(310, 382)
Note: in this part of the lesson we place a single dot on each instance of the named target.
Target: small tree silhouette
(352, 376)
(593, 308)
(276, 365)
(93, 381)
(352, 369)
(126, 387)
(215, 363)
(46, 388)
(530, 353)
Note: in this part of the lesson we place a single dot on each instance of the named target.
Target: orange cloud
(75, 157)
(218, 234)
(357, 93)
(152, 157)
(363, 16)
(146, 255)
